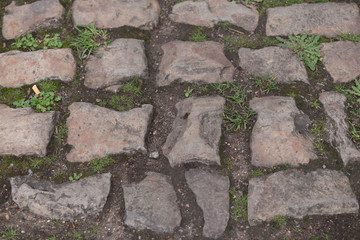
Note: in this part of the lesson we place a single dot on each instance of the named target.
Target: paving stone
(279, 135)
(24, 19)
(212, 195)
(337, 126)
(327, 19)
(274, 61)
(210, 12)
(122, 60)
(95, 131)
(196, 131)
(143, 14)
(293, 194)
(342, 60)
(67, 201)
(23, 68)
(151, 204)
(24, 131)
(196, 62)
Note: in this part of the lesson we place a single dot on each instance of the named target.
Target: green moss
(10, 95)
(278, 222)
(48, 86)
(234, 43)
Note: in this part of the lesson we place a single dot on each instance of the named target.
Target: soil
(234, 148)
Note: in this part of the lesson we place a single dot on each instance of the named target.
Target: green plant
(257, 173)
(61, 131)
(48, 86)
(234, 43)
(44, 101)
(99, 164)
(52, 42)
(229, 163)
(355, 90)
(319, 145)
(188, 92)
(354, 133)
(266, 83)
(318, 128)
(278, 222)
(75, 236)
(89, 40)
(315, 104)
(27, 42)
(239, 205)
(133, 86)
(10, 234)
(350, 37)
(121, 103)
(37, 163)
(198, 36)
(53, 238)
(75, 177)
(306, 47)
(9, 95)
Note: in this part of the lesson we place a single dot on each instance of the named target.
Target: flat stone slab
(67, 201)
(293, 194)
(342, 60)
(195, 62)
(278, 136)
(327, 19)
(210, 12)
(122, 60)
(337, 126)
(24, 131)
(196, 131)
(212, 195)
(24, 19)
(143, 14)
(95, 132)
(23, 68)
(274, 61)
(151, 204)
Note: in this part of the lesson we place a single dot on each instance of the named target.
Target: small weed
(10, 234)
(318, 128)
(42, 102)
(60, 132)
(75, 236)
(354, 133)
(89, 40)
(121, 103)
(257, 173)
(37, 163)
(266, 84)
(133, 86)
(234, 43)
(297, 229)
(53, 238)
(52, 42)
(188, 92)
(278, 222)
(225, 25)
(355, 90)
(99, 164)
(306, 47)
(319, 145)
(48, 86)
(350, 37)
(238, 120)
(239, 208)
(29, 43)
(60, 176)
(58, 223)
(75, 177)
(315, 104)
(229, 163)
(198, 36)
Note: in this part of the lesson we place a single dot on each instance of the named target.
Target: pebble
(154, 155)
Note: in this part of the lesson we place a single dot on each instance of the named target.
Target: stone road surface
(94, 131)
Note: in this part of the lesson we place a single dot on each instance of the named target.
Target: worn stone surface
(327, 19)
(196, 131)
(337, 126)
(23, 68)
(212, 195)
(122, 60)
(197, 62)
(279, 135)
(274, 61)
(210, 12)
(291, 193)
(67, 201)
(24, 131)
(24, 19)
(96, 131)
(342, 60)
(143, 14)
(151, 204)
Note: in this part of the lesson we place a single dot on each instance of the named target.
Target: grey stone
(143, 14)
(337, 126)
(24, 19)
(122, 60)
(293, 194)
(25, 132)
(23, 68)
(196, 62)
(212, 195)
(274, 61)
(279, 136)
(95, 132)
(342, 60)
(327, 19)
(210, 12)
(196, 131)
(67, 201)
(151, 204)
